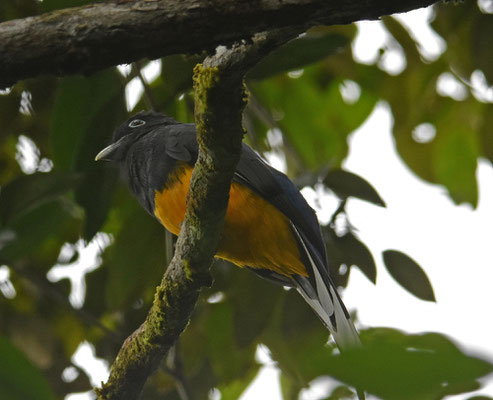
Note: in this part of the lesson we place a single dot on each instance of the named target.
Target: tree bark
(86, 39)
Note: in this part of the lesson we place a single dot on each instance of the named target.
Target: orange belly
(255, 233)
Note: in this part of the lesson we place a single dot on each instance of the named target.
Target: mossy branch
(220, 99)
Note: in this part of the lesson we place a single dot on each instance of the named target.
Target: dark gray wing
(278, 190)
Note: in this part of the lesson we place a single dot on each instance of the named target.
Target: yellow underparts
(255, 233)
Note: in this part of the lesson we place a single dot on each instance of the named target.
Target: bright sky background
(452, 243)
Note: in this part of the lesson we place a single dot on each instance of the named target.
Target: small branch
(340, 209)
(219, 98)
(82, 40)
(265, 116)
(148, 101)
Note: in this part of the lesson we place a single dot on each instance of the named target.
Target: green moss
(186, 268)
(204, 79)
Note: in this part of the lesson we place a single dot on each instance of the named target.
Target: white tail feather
(329, 307)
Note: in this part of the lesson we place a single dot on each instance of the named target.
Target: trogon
(268, 227)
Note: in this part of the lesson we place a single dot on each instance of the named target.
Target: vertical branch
(220, 98)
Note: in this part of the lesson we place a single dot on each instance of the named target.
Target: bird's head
(131, 131)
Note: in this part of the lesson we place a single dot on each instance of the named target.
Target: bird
(269, 227)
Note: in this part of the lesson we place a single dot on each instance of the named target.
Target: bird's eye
(135, 123)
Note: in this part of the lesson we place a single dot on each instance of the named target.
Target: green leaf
(199, 384)
(40, 232)
(393, 365)
(486, 133)
(219, 335)
(234, 389)
(253, 299)
(319, 137)
(356, 253)
(346, 184)
(139, 246)
(19, 378)
(482, 29)
(348, 250)
(341, 393)
(176, 75)
(297, 53)
(29, 191)
(408, 274)
(460, 27)
(297, 342)
(290, 388)
(456, 153)
(86, 112)
(77, 101)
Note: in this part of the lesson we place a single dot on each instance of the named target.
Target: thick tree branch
(86, 39)
(220, 98)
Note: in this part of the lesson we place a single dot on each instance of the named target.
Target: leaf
(29, 191)
(199, 384)
(392, 365)
(482, 29)
(298, 53)
(297, 342)
(456, 153)
(40, 233)
(290, 388)
(346, 184)
(234, 389)
(253, 299)
(137, 258)
(347, 250)
(356, 253)
(19, 378)
(341, 393)
(219, 328)
(86, 112)
(486, 133)
(319, 137)
(408, 274)
(176, 77)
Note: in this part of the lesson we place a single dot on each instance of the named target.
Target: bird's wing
(277, 189)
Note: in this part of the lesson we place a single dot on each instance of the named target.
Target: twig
(340, 209)
(265, 116)
(147, 95)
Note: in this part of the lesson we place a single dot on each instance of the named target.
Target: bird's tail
(321, 294)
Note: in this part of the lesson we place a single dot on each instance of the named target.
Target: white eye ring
(135, 123)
